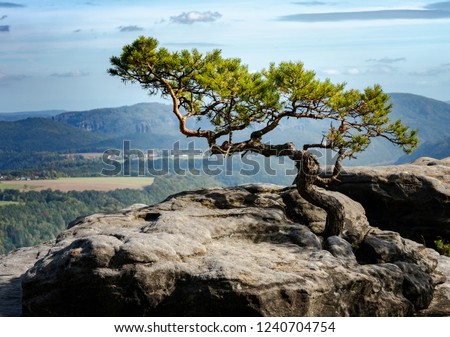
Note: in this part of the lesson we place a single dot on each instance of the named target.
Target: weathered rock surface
(440, 305)
(229, 252)
(12, 268)
(412, 199)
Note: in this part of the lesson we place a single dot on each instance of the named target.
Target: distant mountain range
(16, 116)
(431, 118)
(153, 126)
(139, 118)
(43, 134)
(146, 125)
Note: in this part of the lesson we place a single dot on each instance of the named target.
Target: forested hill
(139, 118)
(431, 118)
(17, 116)
(153, 126)
(43, 134)
(146, 125)
(439, 149)
(28, 218)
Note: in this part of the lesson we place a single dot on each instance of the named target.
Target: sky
(55, 54)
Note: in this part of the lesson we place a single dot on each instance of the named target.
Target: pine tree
(224, 92)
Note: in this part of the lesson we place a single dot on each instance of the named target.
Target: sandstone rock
(12, 267)
(356, 224)
(440, 305)
(412, 199)
(229, 252)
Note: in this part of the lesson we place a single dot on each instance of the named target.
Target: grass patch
(7, 203)
(12, 185)
(80, 184)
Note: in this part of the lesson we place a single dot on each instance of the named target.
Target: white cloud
(4, 78)
(194, 44)
(353, 71)
(388, 60)
(433, 71)
(132, 28)
(439, 10)
(194, 16)
(383, 69)
(331, 72)
(377, 69)
(75, 73)
(310, 3)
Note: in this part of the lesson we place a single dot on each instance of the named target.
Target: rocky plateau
(251, 250)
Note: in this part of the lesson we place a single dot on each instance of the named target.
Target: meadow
(79, 184)
(8, 203)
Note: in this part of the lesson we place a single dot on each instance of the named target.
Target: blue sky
(54, 54)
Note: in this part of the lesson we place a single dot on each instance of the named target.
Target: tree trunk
(308, 171)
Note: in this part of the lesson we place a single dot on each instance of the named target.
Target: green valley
(49, 177)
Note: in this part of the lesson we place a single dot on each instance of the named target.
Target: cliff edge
(252, 250)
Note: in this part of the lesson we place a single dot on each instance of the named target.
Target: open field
(80, 184)
(12, 185)
(6, 203)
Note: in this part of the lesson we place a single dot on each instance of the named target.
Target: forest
(29, 218)
(46, 164)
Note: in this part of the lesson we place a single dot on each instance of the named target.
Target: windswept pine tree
(232, 99)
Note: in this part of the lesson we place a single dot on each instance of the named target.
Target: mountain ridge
(423, 113)
(139, 118)
(42, 134)
(16, 116)
(152, 126)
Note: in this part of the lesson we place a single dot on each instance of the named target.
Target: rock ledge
(226, 252)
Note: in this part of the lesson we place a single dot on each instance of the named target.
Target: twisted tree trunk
(308, 171)
(308, 175)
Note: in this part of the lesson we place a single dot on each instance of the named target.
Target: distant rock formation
(412, 199)
(143, 127)
(253, 250)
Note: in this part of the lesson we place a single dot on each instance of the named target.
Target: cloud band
(130, 28)
(10, 5)
(368, 15)
(189, 18)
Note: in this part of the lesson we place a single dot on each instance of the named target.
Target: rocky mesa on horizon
(251, 250)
